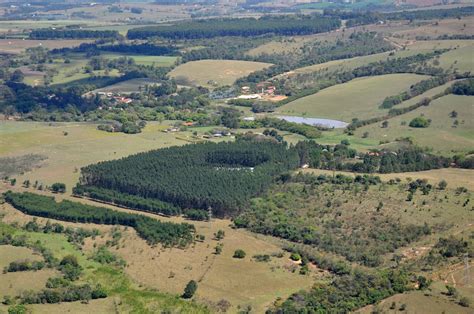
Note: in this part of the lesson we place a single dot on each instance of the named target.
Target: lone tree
(190, 289)
(239, 253)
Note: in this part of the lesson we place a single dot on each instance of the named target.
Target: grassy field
(158, 61)
(129, 86)
(442, 135)
(222, 72)
(359, 98)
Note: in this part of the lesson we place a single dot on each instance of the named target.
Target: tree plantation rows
(51, 33)
(152, 230)
(283, 25)
(223, 176)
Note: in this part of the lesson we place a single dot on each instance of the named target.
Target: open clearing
(358, 98)
(215, 72)
(442, 135)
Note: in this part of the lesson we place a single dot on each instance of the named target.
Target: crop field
(443, 135)
(359, 98)
(221, 72)
(20, 26)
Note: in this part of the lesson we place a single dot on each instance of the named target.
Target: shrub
(419, 122)
(239, 253)
(295, 257)
(58, 187)
(190, 289)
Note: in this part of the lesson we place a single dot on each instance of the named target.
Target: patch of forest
(280, 25)
(152, 230)
(222, 176)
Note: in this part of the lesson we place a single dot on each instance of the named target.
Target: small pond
(328, 123)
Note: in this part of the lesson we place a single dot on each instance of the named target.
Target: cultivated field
(214, 72)
(359, 98)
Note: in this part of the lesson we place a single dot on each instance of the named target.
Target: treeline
(403, 160)
(135, 48)
(223, 176)
(415, 90)
(127, 200)
(335, 158)
(66, 33)
(279, 25)
(364, 18)
(70, 293)
(152, 230)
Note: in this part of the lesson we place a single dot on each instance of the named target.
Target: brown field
(16, 46)
(14, 283)
(10, 254)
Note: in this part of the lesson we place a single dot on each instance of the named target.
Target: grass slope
(359, 98)
(441, 135)
(224, 72)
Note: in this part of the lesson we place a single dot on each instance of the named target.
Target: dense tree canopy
(223, 176)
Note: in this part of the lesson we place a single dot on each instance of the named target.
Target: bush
(464, 302)
(419, 122)
(190, 289)
(239, 254)
(295, 257)
(58, 187)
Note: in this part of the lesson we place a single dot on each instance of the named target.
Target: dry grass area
(212, 73)
(19, 45)
(239, 281)
(454, 176)
(437, 28)
(14, 283)
(10, 254)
